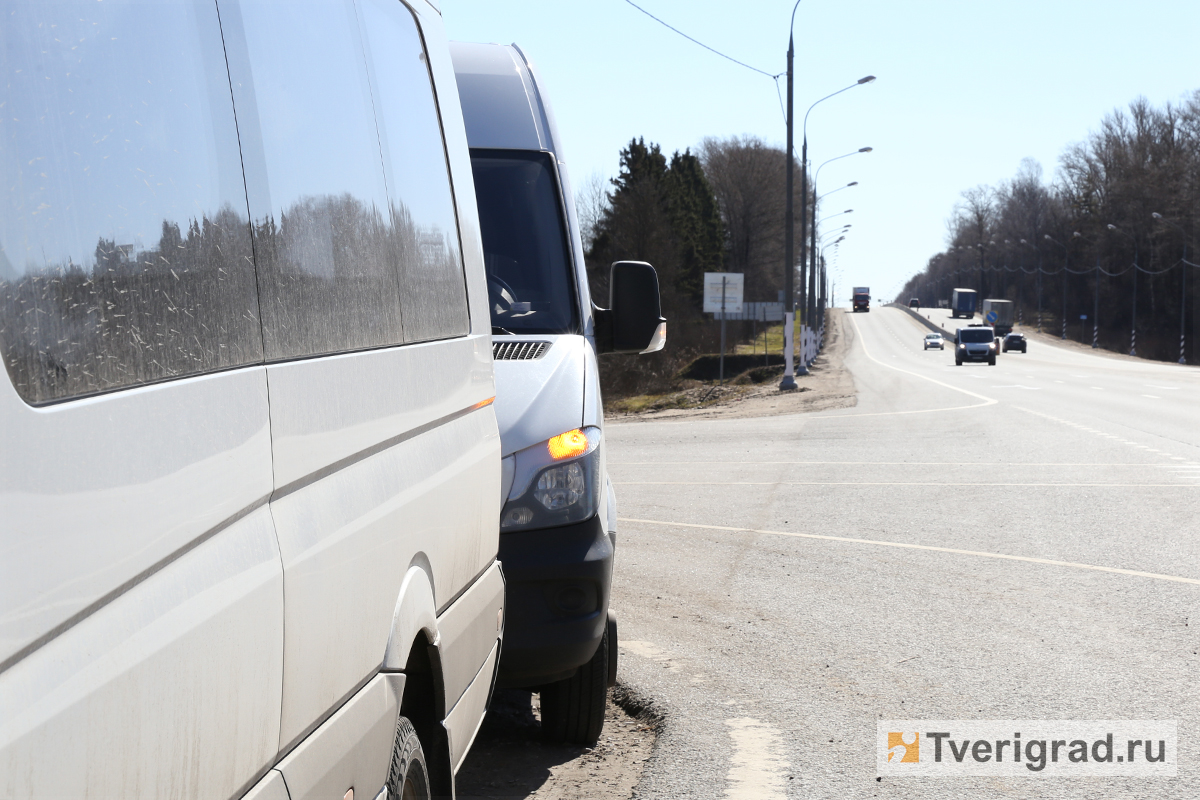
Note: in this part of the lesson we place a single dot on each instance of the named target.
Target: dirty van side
(558, 523)
(250, 465)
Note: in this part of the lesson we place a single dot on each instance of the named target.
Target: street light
(788, 381)
(1066, 269)
(1133, 328)
(1182, 284)
(809, 308)
(832, 191)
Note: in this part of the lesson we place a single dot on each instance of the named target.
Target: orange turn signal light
(568, 445)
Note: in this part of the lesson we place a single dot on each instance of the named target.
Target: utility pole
(789, 266)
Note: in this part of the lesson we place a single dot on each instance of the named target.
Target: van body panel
(204, 566)
(464, 720)
(347, 541)
(415, 614)
(350, 750)
(271, 787)
(499, 101)
(119, 483)
(468, 630)
(170, 690)
(542, 397)
(331, 410)
(459, 160)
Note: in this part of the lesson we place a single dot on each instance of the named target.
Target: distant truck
(862, 298)
(962, 303)
(999, 314)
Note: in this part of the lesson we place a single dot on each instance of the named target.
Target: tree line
(1107, 253)
(721, 209)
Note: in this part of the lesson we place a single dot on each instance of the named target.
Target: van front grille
(519, 351)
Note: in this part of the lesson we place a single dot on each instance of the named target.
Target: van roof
(501, 104)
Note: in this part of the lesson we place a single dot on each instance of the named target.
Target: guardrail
(928, 323)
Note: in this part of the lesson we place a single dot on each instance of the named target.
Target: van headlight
(555, 482)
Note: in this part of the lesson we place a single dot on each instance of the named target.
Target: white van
(249, 461)
(558, 525)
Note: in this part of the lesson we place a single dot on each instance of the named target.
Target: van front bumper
(557, 586)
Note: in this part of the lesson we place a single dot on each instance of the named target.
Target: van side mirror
(633, 322)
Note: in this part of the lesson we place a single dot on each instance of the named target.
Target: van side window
(323, 237)
(421, 208)
(125, 254)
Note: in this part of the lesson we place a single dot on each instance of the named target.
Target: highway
(974, 542)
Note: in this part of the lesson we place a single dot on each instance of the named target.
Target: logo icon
(904, 747)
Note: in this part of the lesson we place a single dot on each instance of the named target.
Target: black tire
(957, 363)
(408, 778)
(992, 361)
(573, 709)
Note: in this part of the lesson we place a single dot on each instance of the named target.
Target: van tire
(573, 709)
(409, 774)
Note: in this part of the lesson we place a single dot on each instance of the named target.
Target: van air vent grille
(519, 351)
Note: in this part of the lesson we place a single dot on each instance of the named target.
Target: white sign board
(730, 283)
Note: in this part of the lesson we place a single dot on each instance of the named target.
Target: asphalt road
(975, 542)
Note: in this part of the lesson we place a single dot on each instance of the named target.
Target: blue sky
(965, 90)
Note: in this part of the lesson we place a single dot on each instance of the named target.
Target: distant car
(914, 303)
(1015, 341)
(935, 340)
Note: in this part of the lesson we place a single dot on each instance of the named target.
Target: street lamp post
(1066, 269)
(789, 267)
(1133, 328)
(788, 381)
(1182, 286)
(816, 177)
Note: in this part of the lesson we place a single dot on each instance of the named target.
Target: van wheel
(408, 778)
(573, 709)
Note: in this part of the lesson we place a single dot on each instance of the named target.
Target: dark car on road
(1015, 341)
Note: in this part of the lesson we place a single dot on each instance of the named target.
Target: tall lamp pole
(1066, 269)
(1133, 326)
(788, 381)
(1182, 285)
(789, 266)
(810, 308)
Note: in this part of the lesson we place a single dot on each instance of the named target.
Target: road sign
(992, 316)
(723, 287)
(1083, 316)
(761, 312)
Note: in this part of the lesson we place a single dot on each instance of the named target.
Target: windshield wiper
(497, 329)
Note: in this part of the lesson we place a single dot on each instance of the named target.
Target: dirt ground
(828, 385)
(509, 759)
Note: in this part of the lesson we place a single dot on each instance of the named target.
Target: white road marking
(1168, 388)
(757, 767)
(1152, 396)
(988, 464)
(1098, 387)
(862, 340)
(929, 548)
(891, 483)
(1017, 386)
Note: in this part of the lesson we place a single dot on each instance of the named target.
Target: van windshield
(975, 335)
(530, 286)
